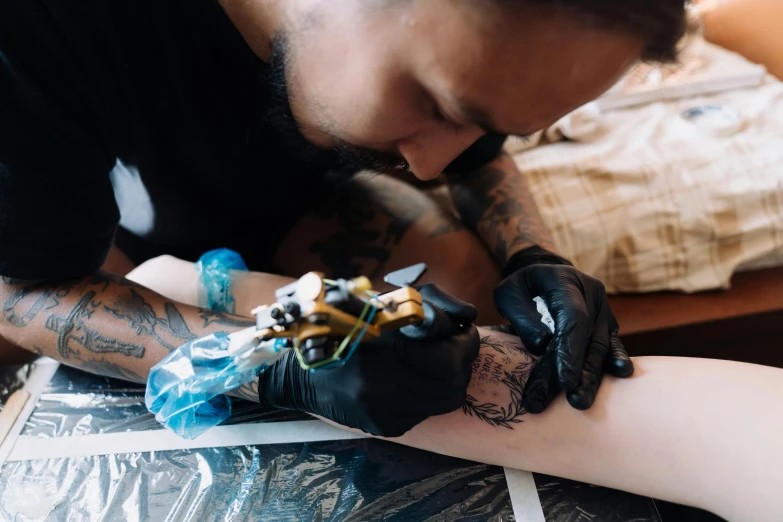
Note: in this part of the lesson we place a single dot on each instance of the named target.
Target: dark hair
(661, 23)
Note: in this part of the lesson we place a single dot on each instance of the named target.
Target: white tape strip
(35, 448)
(43, 372)
(524, 496)
(11, 410)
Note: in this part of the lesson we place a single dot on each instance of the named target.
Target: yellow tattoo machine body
(324, 320)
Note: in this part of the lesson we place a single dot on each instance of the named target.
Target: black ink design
(516, 347)
(9, 307)
(474, 195)
(523, 369)
(489, 370)
(248, 391)
(26, 303)
(55, 299)
(170, 332)
(98, 279)
(495, 415)
(224, 319)
(72, 327)
(487, 341)
(498, 205)
(373, 217)
(176, 322)
(49, 296)
(340, 250)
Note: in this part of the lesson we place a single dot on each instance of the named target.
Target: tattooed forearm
(10, 305)
(170, 331)
(72, 328)
(498, 383)
(496, 202)
(103, 323)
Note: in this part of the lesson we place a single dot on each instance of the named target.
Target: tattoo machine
(322, 320)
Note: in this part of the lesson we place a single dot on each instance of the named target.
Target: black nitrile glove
(585, 342)
(390, 384)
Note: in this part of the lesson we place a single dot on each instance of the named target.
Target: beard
(344, 158)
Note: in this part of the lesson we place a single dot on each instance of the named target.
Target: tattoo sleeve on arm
(170, 331)
(104, 324)
(498, 383)
(72, 328)
(248, 391)
(373, 216)
(9, 306)
(496, 202)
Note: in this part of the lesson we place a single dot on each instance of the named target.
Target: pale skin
(673, 431)
(676, 430)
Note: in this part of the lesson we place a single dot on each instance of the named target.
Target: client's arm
(695, 431)
(699, 432)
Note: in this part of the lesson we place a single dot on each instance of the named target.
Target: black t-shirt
(139, 120)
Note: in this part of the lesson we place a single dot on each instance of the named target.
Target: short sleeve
(58, 215)
(484, 150)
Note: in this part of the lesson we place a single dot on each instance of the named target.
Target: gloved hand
(585, 342)
(390, 384)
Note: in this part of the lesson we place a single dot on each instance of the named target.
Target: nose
(431, 151)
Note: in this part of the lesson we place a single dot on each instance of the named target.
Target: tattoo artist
(132, 130)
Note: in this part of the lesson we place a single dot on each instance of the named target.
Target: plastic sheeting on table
(565, 500)
(358, 480)
(79, 403)
(361, 479)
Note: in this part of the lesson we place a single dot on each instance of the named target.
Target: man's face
(421, 80)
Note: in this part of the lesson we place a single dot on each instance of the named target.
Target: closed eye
(441, 116)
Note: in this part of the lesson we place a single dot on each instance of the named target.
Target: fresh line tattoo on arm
(499, 375)
(496, 202)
